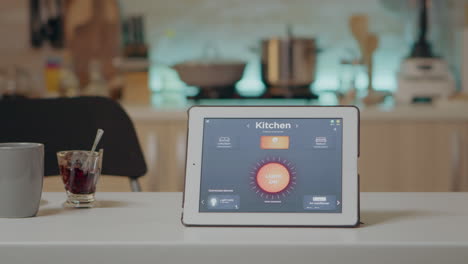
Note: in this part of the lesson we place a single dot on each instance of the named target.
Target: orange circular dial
(273, 177)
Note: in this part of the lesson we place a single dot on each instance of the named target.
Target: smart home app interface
(271, 165)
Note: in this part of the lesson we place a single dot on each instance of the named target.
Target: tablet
(272, 166)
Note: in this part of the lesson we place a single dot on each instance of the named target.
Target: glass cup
(80, 171)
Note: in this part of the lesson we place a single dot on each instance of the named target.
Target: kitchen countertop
(437, 112)
(146, 228)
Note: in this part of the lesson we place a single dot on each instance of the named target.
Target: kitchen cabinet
(163, 143)
(402, 148)
(413, 155)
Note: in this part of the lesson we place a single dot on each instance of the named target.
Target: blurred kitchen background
(402, 62)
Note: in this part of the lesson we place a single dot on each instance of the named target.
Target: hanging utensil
(46, 23)
(372, 42)
(359, 26)
(35, 23)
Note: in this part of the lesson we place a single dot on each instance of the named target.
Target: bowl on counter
(210, 73)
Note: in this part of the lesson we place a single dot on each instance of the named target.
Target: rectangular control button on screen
(320, 202)
(222, 202)
(274, 142)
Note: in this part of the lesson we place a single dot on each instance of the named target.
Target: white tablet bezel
(350, 184)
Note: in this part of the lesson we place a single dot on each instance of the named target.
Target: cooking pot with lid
(288, 62)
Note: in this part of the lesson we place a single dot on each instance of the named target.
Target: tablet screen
(271, 165)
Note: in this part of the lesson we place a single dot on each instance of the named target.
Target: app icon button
(224, 139)
(320, 202)
(223, 202)
(213, 202)
(224, 142)
(274, 142)
(273, 177)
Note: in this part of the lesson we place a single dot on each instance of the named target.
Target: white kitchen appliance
(424, 79)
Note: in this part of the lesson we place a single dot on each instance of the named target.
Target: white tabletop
(146, 228)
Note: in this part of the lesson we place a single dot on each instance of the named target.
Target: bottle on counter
(52, 76)
(16, 82)
(69, 85)
(97, 85)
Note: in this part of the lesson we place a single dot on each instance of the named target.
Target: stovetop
(270, 93)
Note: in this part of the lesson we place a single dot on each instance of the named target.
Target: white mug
(21, 179)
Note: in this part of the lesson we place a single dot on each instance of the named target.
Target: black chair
(71, 123)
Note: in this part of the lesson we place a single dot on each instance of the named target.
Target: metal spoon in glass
(97, 139)
(99, 134)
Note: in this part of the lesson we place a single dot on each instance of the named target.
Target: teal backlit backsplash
(179, 30)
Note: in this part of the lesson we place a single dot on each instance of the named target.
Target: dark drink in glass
(80, 171)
